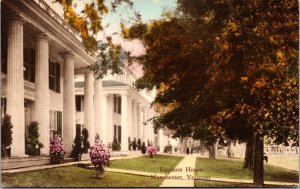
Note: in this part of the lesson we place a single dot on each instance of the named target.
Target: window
(56, 122)
(29, 64)
(117, 133)
(3, 107)
(3, 54)
(54, 76)
(79, 101)
(117, 104)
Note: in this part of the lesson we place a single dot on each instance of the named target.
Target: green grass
(146, 164)
(233, 169)
(74, 177)
(216, 184)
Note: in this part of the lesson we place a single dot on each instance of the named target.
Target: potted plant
(77, 147)
(6, 135)
(86, 143)
(143, 148)
(134, 145)
(32, 139)
(151, 150)
(99, 157)
(115, 145)
(139, 144)
(56, 149)
(129, 144)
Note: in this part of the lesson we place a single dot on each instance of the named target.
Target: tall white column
(160, 140)
(104, 120)
(139, 121)
(15, 85)
(134, 119)
(124, 125)
(145, 125)
(69, 102)
(129, 111)
(149, 127)
(89, 105)
(98, 106)
(41, 109)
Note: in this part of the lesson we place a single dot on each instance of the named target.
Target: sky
(148, 9)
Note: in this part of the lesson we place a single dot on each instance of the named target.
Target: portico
(38, 59)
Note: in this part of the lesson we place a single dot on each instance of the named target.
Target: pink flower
(99, 154)
(151, 150)
(56, 148)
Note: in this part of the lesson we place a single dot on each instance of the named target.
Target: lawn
(233, 169)
(73, 176)
(217, 184)
(146, 164)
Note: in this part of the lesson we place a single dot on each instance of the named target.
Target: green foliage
(139, 143)
(85, 140)
(87, 21)
(6, 131)
(6, 135)
(77, 147)
(115, 145)
(32, 137)
(228, 68)
(74, 177)
(134, 144)
(108, 60)
(138, 163)
(232, 169)
(129, 143)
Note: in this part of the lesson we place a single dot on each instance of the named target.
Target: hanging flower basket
(56, 150)
(99, 157)
(151, 150)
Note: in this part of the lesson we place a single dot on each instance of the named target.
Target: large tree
(229, 67)
(86, 18)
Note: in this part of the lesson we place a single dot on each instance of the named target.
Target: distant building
(122, 112)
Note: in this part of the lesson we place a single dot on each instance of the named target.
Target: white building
(40, 56)
(119, 109)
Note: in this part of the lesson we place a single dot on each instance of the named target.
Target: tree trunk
(258, 167)
(212, 151)
(249, 154)
(4, 151)
(230, 151)
(181, 145)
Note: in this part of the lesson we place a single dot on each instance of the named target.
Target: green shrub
(115, 145)
(32, 138)
(6, 131)
(77, 147)
(86, 143)
(6, 134)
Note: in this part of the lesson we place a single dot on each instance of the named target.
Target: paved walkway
(179, 177)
